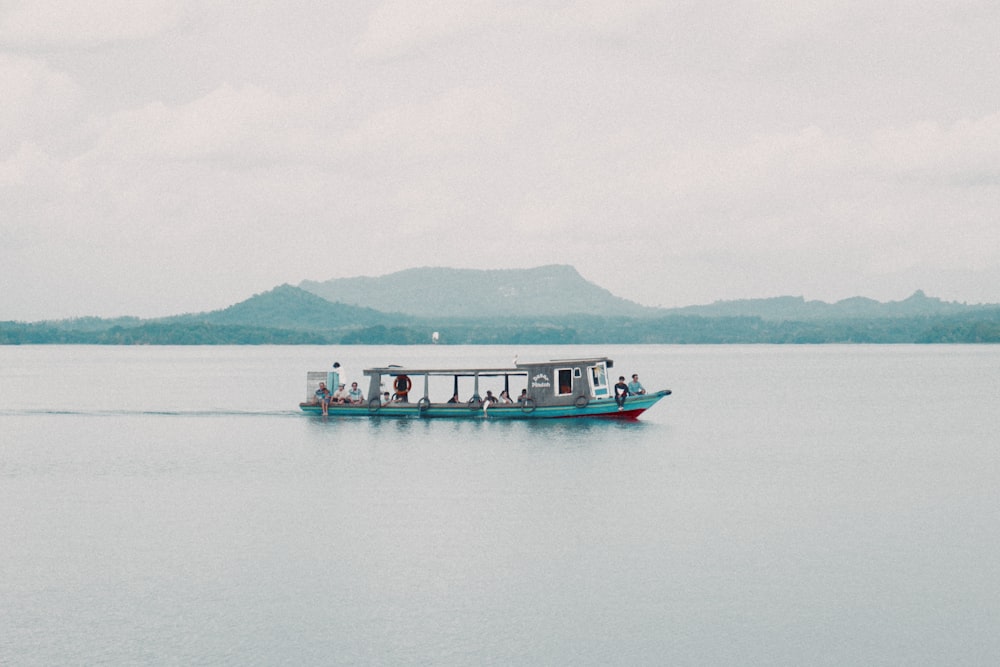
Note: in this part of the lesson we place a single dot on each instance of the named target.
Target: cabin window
(565, 380)
(599, 381)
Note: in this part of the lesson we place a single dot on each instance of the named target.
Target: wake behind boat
(559, 388)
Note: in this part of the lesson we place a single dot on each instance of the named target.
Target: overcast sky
(167, 157)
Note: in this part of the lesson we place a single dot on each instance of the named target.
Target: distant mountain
(471, 293)
(550, 305)
(288, 307)
(792, 308)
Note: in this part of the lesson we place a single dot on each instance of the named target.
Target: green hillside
(288, 307)
(797, 308)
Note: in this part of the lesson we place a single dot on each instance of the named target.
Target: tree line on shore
(982, 326)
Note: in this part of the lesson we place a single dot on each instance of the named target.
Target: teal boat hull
(599, 408)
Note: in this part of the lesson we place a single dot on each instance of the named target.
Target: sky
(179, 156)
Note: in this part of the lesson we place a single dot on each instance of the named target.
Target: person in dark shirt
(621, 392)
(402, 386)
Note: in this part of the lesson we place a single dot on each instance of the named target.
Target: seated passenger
(386, 398)
(523, 397)
(354, 396)
(635, 387)
(488, 400)
(339, 396)
(621, 393)
(505, 397)
(323, 397)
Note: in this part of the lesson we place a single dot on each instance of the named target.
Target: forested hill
(287, 307)
(797, 308)
(568, 312)
(471, 293)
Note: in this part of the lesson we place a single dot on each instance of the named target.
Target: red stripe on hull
(624, 415)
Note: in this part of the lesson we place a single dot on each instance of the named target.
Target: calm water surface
(787, 505)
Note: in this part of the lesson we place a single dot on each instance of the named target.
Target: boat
(554, 389)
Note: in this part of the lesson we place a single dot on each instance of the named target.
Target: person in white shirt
(340, 396)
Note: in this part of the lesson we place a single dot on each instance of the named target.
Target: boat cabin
(555, 382)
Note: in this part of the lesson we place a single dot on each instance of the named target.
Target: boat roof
(520, 367)
(578, 360)
(399, 370)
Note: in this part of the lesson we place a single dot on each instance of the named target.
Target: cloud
(83, 23)
(28, 169)
(235, 126)
(37, 100)
(728, 150)
(965, 152)
(399, 27)
(396, 27)
(587, 17)
(876, 203)
(769, 167)
(460, 120)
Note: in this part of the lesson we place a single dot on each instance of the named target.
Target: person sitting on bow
(621, 392)
(323, 397)
(635, 387)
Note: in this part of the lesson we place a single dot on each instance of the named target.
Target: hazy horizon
(169, 156)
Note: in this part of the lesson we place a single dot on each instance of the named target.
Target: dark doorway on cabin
(565, 380)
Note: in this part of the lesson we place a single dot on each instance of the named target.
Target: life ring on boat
(528, 406)
(582, 401)
(475, 403)
(374, 405)
(423, 404)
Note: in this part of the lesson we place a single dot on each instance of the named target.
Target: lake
(787, 505)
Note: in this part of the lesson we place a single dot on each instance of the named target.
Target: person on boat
(354, 396)
(523, 397)
(386, 398)
(621, 392)
(635, 387)
(340, 396)
(323, 397)
(340, 372)
(402, 386)
(488, 401)
(505, 397)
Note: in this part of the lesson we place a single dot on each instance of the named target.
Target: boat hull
(604, 409)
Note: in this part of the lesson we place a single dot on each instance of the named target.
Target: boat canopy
(519, 368)
(400, 370)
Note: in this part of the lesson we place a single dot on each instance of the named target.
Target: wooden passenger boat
(559, 388)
